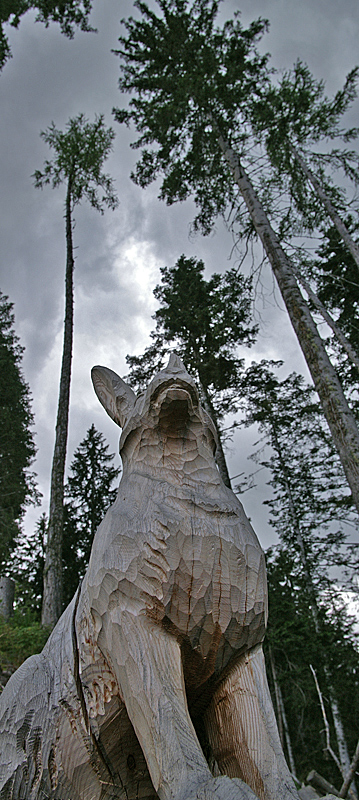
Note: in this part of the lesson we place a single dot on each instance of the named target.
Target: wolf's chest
(193, 565)
(202, 572)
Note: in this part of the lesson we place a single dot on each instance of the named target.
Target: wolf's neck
(177, 461)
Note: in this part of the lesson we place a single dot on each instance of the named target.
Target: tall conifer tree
(206, 321)
(191, 83)
(17, 448)
(90, 489)
(310, 507)
(78, 162)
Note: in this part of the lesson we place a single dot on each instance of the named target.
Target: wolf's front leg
(147, 663)
(242, 730)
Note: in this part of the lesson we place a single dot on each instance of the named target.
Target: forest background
(119, 256)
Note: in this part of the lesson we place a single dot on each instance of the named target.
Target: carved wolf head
(170, 405)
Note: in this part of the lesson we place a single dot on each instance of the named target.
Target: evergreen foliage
(26, 567)
(90, 489)
(311, 511)
(310, 507)
(293, 116)
(336, 278)
(68, 13)
(78, 161)
(205, 321)
(193, 88)
(79, 154)
(187, 78)
(17, 448)
(295, 645)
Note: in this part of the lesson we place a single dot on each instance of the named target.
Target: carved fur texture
(152, 684)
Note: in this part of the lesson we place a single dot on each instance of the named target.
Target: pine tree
(191, 85)
(26, 567)
(205, 321)
(310, 507)
(89, 492)
(79, 156)
(291, 646)
(291, 118)
(336, 279)
(17, 448)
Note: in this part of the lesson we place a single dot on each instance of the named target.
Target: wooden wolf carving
(152, 684)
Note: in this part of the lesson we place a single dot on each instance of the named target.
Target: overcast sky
(118, 256)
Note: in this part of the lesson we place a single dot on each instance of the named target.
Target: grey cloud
(51, 78)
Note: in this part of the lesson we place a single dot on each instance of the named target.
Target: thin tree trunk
(52, 599)
(341, 338)
(351, 773)
(328, 205)
(343, 763)
(219, 455)
(339, 417)
(337, 720)
(282, 717)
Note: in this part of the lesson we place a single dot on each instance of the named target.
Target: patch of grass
(20, 637)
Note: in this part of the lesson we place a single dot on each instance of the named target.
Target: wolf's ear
(114, 394)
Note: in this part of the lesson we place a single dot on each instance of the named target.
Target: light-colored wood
(157, 661)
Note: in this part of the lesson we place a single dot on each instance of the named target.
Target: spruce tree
(90, 489)
(292, 118)
(310, 507)
(192, 84)
(205, 321)
(336, 280)
(292, 645)
(78, 162)
(17, 448)
(26, 567)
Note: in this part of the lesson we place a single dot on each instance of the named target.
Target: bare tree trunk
(343, 763)
(351, 773)
(338, 414)
(52, 598)
(7, 593)
(341, 338)
(219, 455)
(282, 717)
(328, 205)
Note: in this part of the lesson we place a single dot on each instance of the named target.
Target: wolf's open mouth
(176, 408)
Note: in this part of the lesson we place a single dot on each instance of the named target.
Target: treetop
(68, 13)
(80, 152)
(185, 73)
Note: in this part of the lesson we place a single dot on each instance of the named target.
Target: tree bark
(337, 412)
(337, 720)
(282, 717)
(52, 598)
(219, 455)
(341, 338)
(328, 205)
(318, 782)
(7, 593)
(351, 773)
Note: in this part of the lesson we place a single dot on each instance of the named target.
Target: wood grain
(157, 661)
